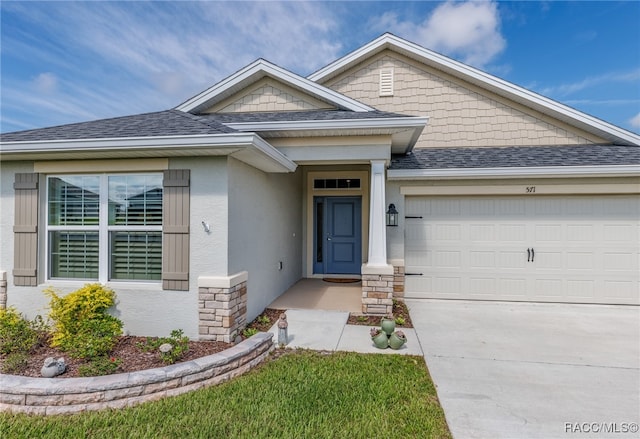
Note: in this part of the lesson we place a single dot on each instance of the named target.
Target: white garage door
(582, 249)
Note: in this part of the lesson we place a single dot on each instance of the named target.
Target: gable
(266, 95)
(460, 113)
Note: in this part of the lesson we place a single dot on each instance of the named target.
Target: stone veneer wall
(3, 289)
(222, 312)
(53, 396)
(377, 294)
(379, 290)
(398, 282)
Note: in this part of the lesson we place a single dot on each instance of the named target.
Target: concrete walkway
(524, 370)
(328, 331)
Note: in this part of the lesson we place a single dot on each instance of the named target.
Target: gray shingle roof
(295, 116)
(162, 123)
(517, 156)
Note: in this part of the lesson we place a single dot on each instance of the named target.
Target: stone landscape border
(53, 396)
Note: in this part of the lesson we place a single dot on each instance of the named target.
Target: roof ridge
(202, 120)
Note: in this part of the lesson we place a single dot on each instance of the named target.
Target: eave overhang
(514, 172)
(404, 131)
(247, 147)
(481, 79)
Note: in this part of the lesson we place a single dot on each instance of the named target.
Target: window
(336, 183)
(105, 227)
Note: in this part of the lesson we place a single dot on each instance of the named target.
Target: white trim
(514, 172)
(259, 69)
(346, 124)
(482, 79)
(532, 189)
(377, 208)
(222, 281)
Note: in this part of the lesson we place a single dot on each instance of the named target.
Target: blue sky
(65, 62)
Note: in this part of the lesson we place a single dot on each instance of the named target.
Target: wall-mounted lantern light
(392, 215)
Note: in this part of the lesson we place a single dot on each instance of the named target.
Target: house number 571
(531, 189)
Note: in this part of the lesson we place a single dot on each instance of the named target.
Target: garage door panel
(580, 290)
(617, 232)
(619, 261)
(479, 286)
(479, 233)
(579, 232)
(549, 233)
(580, 260)
(509, 260)
(586, 248)
(482, 259)
(515, 233)
(548, 260)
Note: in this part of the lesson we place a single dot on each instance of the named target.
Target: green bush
(82, 326)
(17, 334)
(103, 365)
(15, 362)
(178, 341)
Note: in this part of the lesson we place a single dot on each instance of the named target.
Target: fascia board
(261, 68)
(260, 150)
(515, 172)
(484, 80)
(218, 140)
(395, 122)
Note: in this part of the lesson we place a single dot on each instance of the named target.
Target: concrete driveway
(523, 370)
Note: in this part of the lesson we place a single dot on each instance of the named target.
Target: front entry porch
(321, 295)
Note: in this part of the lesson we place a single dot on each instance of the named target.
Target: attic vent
(386, 82)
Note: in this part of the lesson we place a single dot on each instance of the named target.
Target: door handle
(528, 255)
(533, 254)
(328, 238)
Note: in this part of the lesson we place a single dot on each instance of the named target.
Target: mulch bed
(399, 310)
(135, 358)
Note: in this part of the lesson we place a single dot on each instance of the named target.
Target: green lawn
(301, 395)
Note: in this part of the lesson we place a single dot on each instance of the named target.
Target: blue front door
(338, 235)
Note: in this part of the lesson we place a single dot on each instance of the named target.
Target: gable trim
(492, 83)
(256, 71)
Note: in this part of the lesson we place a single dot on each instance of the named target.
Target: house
(201, 215)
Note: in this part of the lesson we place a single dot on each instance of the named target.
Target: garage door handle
(413, 274)
(533, 254)
(528, 255)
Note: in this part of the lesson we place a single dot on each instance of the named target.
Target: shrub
(178, 341)
(82, 326)
(17, 334)
(103, 365)
(15, 362)
(249, 332)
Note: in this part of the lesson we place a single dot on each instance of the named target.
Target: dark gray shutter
(25, 230)
(175, 230)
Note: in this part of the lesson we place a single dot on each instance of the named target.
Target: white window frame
(103, 228)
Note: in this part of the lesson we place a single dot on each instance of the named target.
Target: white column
(377, 227)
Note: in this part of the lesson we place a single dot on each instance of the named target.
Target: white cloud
(635, 121)
(46, 83)
(592, 81)
(108, 59)
(469, 31)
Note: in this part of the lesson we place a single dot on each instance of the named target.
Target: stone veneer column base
(377, 290)
(222, 307)
(3, 289)
(398, 282)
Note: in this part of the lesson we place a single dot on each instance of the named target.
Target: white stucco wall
(144, 308)
(265, 228)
